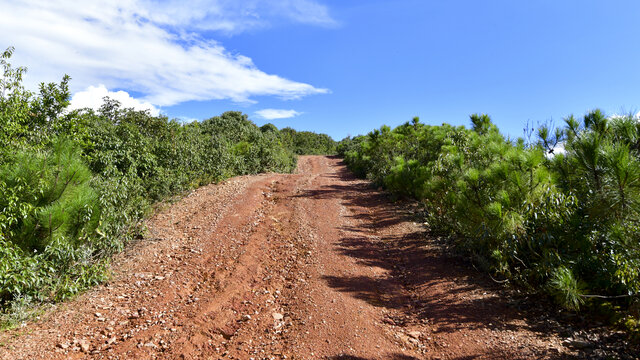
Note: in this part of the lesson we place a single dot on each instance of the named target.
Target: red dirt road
(311, 265)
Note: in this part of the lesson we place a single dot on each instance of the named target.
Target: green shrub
(49, 198)
(562, 223)
(306, 142)
(566, 288)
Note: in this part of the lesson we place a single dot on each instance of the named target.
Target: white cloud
(272, 114)
(93, 97)
(150, 47)
(626, 115)
(558, 149)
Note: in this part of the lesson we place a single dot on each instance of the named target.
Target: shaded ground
(304, 266)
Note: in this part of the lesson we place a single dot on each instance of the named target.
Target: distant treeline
(75, 185)
(557, 213)
(304, 142)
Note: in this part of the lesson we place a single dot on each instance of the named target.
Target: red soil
(310, 265)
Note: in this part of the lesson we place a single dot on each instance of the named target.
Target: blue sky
(342, 67)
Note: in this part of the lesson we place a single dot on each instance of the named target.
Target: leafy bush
(305, 142)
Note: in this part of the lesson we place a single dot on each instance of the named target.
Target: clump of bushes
(75, 185)
(305, 142)
(559, 214)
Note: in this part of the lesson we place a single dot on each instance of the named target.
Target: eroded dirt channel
(311, 265)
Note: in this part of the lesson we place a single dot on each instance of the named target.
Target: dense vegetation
(558, 214)
(307, 142)
(75, 185)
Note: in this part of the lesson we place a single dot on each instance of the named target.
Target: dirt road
(312, 265)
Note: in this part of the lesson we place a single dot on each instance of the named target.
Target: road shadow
(424, 283)
(412, 267)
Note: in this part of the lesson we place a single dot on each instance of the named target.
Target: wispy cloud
(232, 16)
(150, 47)
(272, 114)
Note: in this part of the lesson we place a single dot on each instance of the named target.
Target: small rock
(63, 346)
(577, 343)
(415, 334)
(84, 345)
(246, 317)
(277, 316)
